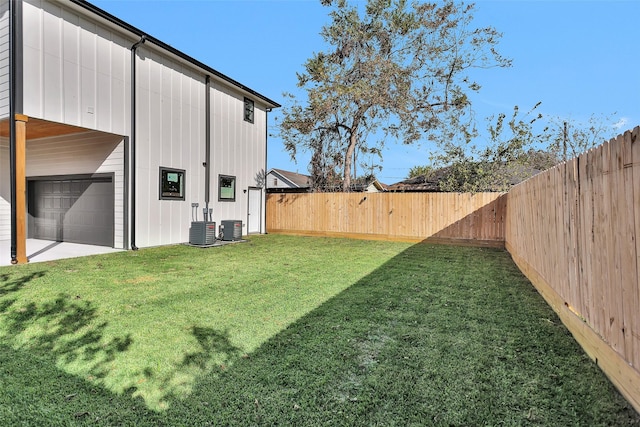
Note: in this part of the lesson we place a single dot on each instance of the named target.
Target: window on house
(248, 110)
(226, 188)
(171, 184)
(275, 182)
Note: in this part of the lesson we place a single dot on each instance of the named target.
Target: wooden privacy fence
(574, 231)
(439, 217)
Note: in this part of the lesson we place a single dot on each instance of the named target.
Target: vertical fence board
(627, 244)
(568, 259)
(613, 254)
(585, 236)
(601, 272)
(606, 247)
(561, 250)
(575, 281)
(635, 320)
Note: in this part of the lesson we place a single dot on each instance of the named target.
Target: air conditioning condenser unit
(202, 233)
(231, 230)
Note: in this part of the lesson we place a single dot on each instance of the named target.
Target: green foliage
(314, 332)
(570, 137)
(398, 69)
(503, 161)
(420, 170)
(518, 147)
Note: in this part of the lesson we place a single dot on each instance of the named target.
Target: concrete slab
(47, 250)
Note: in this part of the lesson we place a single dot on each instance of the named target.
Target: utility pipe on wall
(133, 140)
(207, 149)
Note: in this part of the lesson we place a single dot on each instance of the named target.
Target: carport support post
(21, 190)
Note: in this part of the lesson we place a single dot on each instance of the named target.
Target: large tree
(396, 70)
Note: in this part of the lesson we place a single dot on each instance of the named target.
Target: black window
(226, 188)
(171, 184)
(248, 110)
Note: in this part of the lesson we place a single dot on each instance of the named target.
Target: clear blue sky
(578, 57)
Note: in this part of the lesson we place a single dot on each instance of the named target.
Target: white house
(108, 135)
(282, 180)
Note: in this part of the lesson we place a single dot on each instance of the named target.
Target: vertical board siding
(395, 216)
(574, 231)
(238, 148)
(75, 71)
(170, 133)
(4, 58)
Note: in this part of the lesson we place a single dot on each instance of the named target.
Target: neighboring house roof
(379, 186)
(149, 39)
(371, 186)
(426, 183)
(361, 185)
(512, 174)
(519, 173)
(296, 182)
(291, 179)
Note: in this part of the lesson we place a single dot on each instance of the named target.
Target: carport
(68, 200)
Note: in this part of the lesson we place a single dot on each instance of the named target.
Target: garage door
(78, 210)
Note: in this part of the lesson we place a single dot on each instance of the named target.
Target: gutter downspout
(207, 149)
(133, 140)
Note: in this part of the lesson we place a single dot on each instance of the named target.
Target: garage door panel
(46, 227)
(72, 210)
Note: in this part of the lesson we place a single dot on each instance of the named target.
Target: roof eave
(284, 178)
(270, 104)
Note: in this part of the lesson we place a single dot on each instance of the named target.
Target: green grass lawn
(291, 331)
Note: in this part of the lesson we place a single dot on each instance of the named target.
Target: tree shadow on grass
(216, 354)
(36, 392)
(71, 333)
(216, 347)
(9, 285)
(66, 328)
